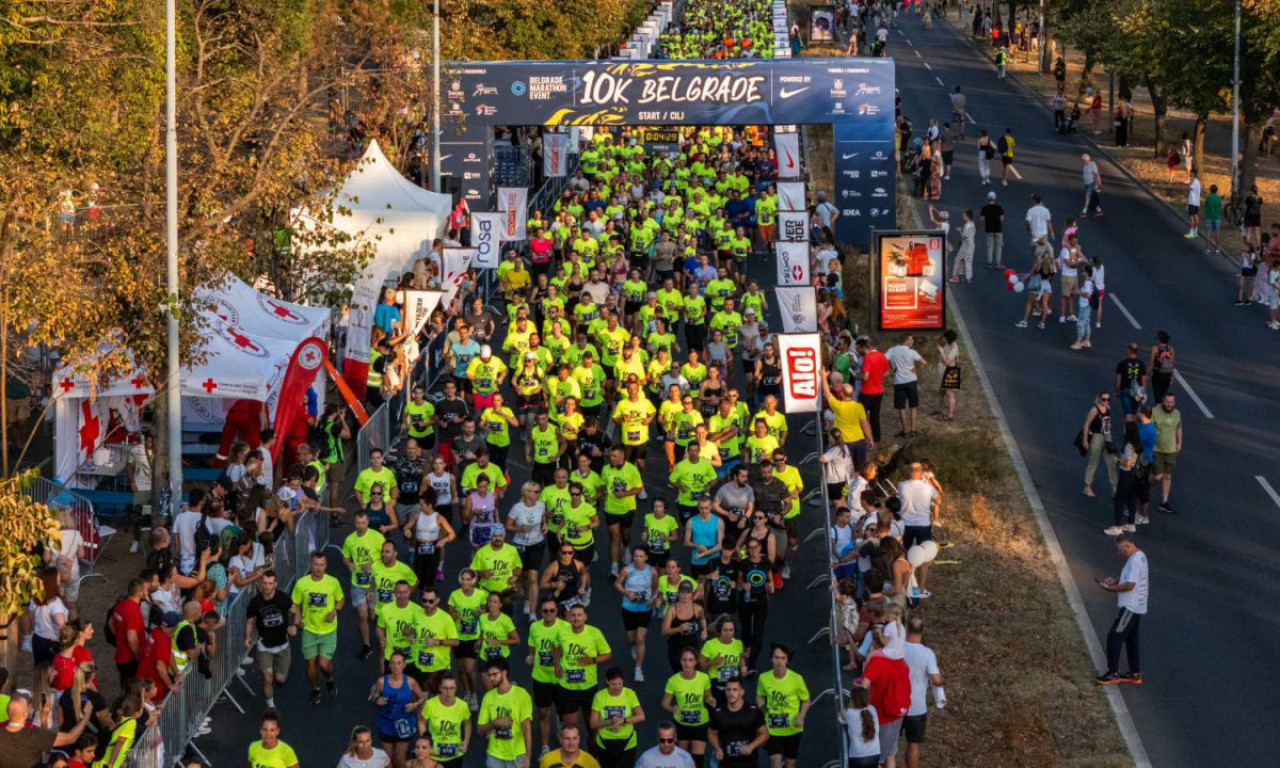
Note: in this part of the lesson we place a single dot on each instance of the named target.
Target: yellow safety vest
(180, 659)
(375, 379)
(319, 468)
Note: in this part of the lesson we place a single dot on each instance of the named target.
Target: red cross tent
(255, 347)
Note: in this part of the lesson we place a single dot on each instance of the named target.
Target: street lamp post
(435, 96)
(172, 391)
(1235, 112)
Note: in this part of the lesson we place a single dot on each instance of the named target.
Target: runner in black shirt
(450, 413)
(722, 584)
(409, 470)
(268, 614)
(592, 442)
(737, 730)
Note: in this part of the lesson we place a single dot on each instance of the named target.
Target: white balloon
(916, 557)
(930, 550)
(1013, 278)
(1019, 287)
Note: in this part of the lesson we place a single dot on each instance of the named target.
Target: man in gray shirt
(666, 754)
(664, 258)
(735, 500)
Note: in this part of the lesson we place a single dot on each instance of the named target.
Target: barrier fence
(185, 710)
(375, 433)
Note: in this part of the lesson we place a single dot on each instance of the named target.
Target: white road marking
(1124, 311)
(926, 66)
(1014, 170)
(968, 116)
(1267, 487)
(944, 85)
(917, 53)
(1192, 394)
(909, 42)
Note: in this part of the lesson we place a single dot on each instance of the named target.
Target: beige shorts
(276, 664)
(1068, 285)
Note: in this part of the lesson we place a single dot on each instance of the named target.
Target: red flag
(305, 364)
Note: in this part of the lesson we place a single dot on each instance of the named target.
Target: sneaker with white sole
(786, 571)
(1062, 319)
(1142, 520)
(639, 675)
(1129, 528)
(1114, 530)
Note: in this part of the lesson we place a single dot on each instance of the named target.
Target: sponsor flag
(788, 148)
(793, 226)
(485, 227)
(790, 195)
(418, 306)
(514, 204)
(355, 353)
(793, 263)
(801, 366)
(555, 154)
(798, 305)
(456, 263)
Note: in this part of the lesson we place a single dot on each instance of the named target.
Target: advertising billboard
(910, 269)
(801, 355)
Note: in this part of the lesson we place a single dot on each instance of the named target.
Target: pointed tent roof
(377, 187)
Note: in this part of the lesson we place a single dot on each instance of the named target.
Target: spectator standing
(921, 510)
(1168, 421)
(922, 670)
(1132, 590)
(993, 224)
(872, 372)
(906, 390)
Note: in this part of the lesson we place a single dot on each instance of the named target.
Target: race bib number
(500, 732)
(725, 674)
(492, 652)
(612, 712)
(734, 748)
(486, 382)
(690, 717)
(386, 595)
(364, 579)
(779, 721)
(658, 545)
(467, 627)
(317, 600)
(571, 532)
(426, 547)
(575, 675)
(633, 434)
(546, 659)
(404, 728)
(446, 750)
(426, 658)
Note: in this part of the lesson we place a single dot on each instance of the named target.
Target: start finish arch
(855, 96)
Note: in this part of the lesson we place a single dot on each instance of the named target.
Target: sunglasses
(574, 493)
(548, 611)
(430, 602)
(666, 741)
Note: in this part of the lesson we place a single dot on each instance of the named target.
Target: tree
(24, 527)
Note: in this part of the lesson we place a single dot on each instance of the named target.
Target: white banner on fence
(801, 366)
(514, 204)
(485, 227)
(793, 226)
(555, 154)
(456, 263)
(788, 147)
(791, 196)
(418, 306)
(798, 305)
(793, 263)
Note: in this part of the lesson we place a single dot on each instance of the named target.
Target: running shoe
(1114, 530)
(1020, 324)
(331, 687)
(1132, 678)
(639, 675)
(315, 695)
(1109, 678)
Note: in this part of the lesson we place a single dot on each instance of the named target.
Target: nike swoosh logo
(784, 93)
(445, 157)
(846, 157)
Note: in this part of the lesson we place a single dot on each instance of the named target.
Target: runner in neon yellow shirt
(317, 598)
(506, 715)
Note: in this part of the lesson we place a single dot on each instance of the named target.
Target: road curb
(1124, 719)
(1089, 139)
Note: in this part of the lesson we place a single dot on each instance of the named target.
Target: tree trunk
(1251, 135)
(1197, 155)
(1160, 104)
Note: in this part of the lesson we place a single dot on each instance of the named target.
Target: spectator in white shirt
(920, 512)
(906, 392)
(1132, 588)
(922, 669)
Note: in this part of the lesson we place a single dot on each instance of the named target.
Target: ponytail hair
(859, 700)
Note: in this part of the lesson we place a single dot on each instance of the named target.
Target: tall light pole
(435, 96)
(1235, 111)
(173, 389)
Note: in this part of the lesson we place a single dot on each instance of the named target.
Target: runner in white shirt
(1132, 588)
(1193, 205)
(1039, 221)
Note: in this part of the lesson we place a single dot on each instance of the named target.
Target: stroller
(1070, 124)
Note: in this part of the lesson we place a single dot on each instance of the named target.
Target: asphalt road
(1212, 633)
(319, 733)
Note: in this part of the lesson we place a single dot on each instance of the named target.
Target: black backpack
(108, 633)
(204, 537)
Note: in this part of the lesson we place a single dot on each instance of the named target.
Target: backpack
(204, 537)
(108, 631)
(1003, 145)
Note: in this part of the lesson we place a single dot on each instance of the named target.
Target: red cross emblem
(67, 384)
(242, 341)
(138, 381)
(90, 428)
(282, 311)
(210, 385)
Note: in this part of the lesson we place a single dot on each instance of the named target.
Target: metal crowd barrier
(185, 710)
(375, 433)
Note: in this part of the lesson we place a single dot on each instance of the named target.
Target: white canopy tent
(248, 345)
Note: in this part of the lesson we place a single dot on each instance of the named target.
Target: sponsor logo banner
(798, 305)
(910, 287)
(793, 263)
(801, 366)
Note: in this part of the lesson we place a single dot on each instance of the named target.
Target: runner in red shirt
(874, 367)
